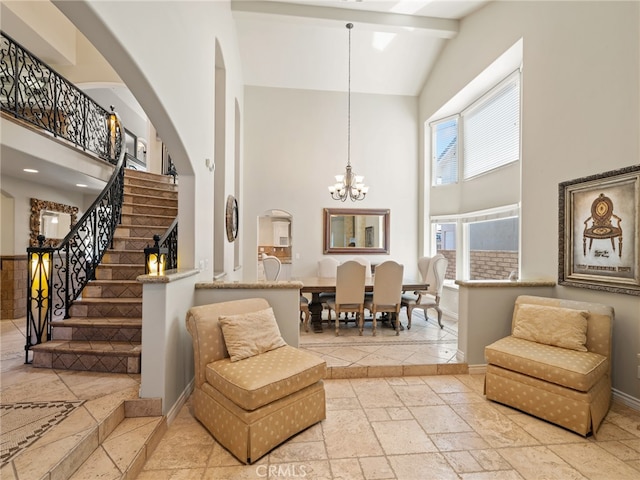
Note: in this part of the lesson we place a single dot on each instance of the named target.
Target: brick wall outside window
(485, 264)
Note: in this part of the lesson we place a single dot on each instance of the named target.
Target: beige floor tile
(446, 384)
(346, 468)
(343, 403)
(180, 474)
(402, 437)
(376, 468)
(120, 445)
(414, 395)
(424, 466)
(339, 388)
(546, 432)
(497, 429)
(449, 442)
(99, 461)
(374, 393)
(495, 475)
(298, 452)
(462, 462)
(620, 450)
(357, 440)
(490, 460)
(439, 419)
(594, 462)
(545, 463)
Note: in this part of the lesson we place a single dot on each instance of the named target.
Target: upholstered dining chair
(350, 279)
(432, 271)
(367, 265)
(327, 268)
(272, 266)
(387, 293)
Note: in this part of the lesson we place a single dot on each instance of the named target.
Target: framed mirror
(356, 230)
(51, 219)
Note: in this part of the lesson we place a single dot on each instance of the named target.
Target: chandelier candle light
(349, 185)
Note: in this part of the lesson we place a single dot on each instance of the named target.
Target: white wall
(171, 74)
(580, 116)
(22, 192)
(296, 142)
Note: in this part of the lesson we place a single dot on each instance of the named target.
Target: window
(445, 234)
(486, 243)
(493, 249)
(489, 135)
(492, 129)
(444, 135)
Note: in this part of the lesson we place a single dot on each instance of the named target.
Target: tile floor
(412, 427)
(424, 344)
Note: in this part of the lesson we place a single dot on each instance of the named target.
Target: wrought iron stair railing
(33, 92)
(169, 240)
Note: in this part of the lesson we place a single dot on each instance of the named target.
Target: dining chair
(367, 264)
(387, 293)
(350, 279)
(432, 271)
(327, 268)
(272, 266)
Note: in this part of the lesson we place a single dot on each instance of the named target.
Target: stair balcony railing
(33, 92)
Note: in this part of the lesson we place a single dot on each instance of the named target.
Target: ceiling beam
(438, 27)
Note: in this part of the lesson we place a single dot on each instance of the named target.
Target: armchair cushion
(249, 334)
(562, 327)
(260, 380)
(561, 366)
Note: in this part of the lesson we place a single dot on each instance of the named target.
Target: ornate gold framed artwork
(598, 231)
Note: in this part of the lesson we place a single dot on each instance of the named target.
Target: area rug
(21, 424)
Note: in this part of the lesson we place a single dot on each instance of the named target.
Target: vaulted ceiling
(304, 44)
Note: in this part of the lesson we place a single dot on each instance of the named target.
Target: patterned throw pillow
(249, 334)
(562, 327)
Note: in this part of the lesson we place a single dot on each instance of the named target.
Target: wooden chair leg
(374, 321)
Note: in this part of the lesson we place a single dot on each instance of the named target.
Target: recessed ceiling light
(29, 170)
(82, 185)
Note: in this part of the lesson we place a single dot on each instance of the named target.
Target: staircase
(105, 329)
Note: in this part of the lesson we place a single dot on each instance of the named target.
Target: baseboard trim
(477, 369)
(182, 399)
(625, 399)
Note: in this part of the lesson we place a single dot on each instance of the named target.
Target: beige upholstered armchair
(556, 364)
(252, 391)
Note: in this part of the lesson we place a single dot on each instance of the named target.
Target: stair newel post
(39, 297)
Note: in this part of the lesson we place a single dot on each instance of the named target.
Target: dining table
(317, 285)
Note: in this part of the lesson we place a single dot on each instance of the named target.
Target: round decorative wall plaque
(231, 218)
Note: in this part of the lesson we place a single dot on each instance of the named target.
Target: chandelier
(349, 185)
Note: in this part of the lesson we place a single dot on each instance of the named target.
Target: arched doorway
(274, 238)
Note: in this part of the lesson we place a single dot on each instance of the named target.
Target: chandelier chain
(349, 27)
(348, 185)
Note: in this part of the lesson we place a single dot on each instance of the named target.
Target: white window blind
(444, 141)
(491, 129)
